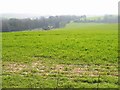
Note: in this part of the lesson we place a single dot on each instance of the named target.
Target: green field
(81, 55)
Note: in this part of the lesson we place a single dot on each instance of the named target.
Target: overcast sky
(60, 7)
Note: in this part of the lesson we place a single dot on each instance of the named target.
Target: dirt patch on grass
(78, 70)
(84, 70)
(36, 64)
(59, 67)
(14, 67)
(40, 68)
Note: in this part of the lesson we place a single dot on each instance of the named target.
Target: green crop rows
(77, 56)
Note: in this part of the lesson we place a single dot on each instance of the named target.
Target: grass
(77, 56)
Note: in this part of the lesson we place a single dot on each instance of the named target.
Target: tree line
(47, 23)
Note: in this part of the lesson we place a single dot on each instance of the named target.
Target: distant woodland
(51, 22)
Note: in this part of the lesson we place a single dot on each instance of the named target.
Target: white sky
(60, 7)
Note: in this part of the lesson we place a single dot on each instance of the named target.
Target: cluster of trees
(40, 23)
(49, 22)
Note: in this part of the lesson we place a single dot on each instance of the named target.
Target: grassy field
(77, 56)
